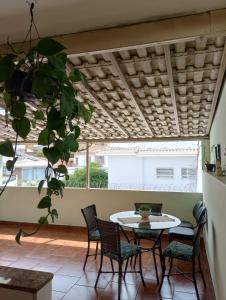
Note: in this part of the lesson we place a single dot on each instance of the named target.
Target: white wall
(214, 195)
(19, 204)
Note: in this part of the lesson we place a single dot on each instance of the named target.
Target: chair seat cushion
(185, 224)
(179, 251)
(127, 250)
(181, 232)
(146, 233)
(94, 235)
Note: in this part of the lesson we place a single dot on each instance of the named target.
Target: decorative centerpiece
(144, 211)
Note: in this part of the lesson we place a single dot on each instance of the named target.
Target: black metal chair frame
(195, 256)
(110, 237)
(200, 214)
(157, 241)
(90, 214)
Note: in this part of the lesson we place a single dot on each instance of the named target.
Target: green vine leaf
(10, 164)
(71, 143)
(45, 137)
(18, 236)
(54, 214)
(49, 47)
(67, 101)
(54, 119)
(18, 109)
(6, 148)
(43, 220)
(62, 169)
(77, 75)
(45, 202)
(21, 126)
(40, 186)
(41, 85)
(52, 154)
(77, 131)
(6, 67)
(39, 115)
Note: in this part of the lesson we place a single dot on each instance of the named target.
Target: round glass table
(162, 222)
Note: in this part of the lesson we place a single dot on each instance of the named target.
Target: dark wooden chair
(90, 214)
(150, 234)
(116, 249)
(185, 252)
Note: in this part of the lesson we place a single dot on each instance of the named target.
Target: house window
(164, 172)
(99, 160)
(188, 173)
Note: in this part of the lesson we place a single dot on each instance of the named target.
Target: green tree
(98, 177)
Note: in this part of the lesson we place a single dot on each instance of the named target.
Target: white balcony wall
(19, 204)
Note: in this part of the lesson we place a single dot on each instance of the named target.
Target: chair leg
(100, 269)
(137, 242)
(171, 265)
(163, 272)
(140, 269)
(156, 269)
(87, 254)
(96, 249)
(200, 269)
(112, 266)
(126, 266)
(194, 279)
(119, 279)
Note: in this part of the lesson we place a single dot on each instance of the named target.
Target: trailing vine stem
(12, 170)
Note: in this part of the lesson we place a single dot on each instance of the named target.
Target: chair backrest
(196, 210)
(89, 214)
(198, 232)
(110, 237)
(156, 208)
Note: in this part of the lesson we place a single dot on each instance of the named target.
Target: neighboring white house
(169, 166)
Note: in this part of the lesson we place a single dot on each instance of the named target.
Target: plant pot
(19, 85)
(144, 213)
(210, 167)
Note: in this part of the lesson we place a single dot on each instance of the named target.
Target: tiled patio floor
(62, 250)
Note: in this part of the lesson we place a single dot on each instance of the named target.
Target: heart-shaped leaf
(52, 154)
(45, 202)
(40, 186)
(6, 148)
(21, 126)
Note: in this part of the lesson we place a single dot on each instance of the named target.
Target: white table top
(144, 225)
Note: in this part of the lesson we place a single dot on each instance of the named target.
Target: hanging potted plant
(41, 75)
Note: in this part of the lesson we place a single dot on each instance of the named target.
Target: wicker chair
(149, 234)
(89, 214)
(188, 253)
(115, 249)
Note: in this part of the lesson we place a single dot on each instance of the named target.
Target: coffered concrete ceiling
(154, 80)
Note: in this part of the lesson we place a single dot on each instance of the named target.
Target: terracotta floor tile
(129, 292)
(45, 268)
(89, 279)
(57, 295)
(61, 250)
(63, 283)
(82, 293)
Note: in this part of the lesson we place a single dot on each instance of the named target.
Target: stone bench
(21, 284)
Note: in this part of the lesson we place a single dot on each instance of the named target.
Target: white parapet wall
(19, 204)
